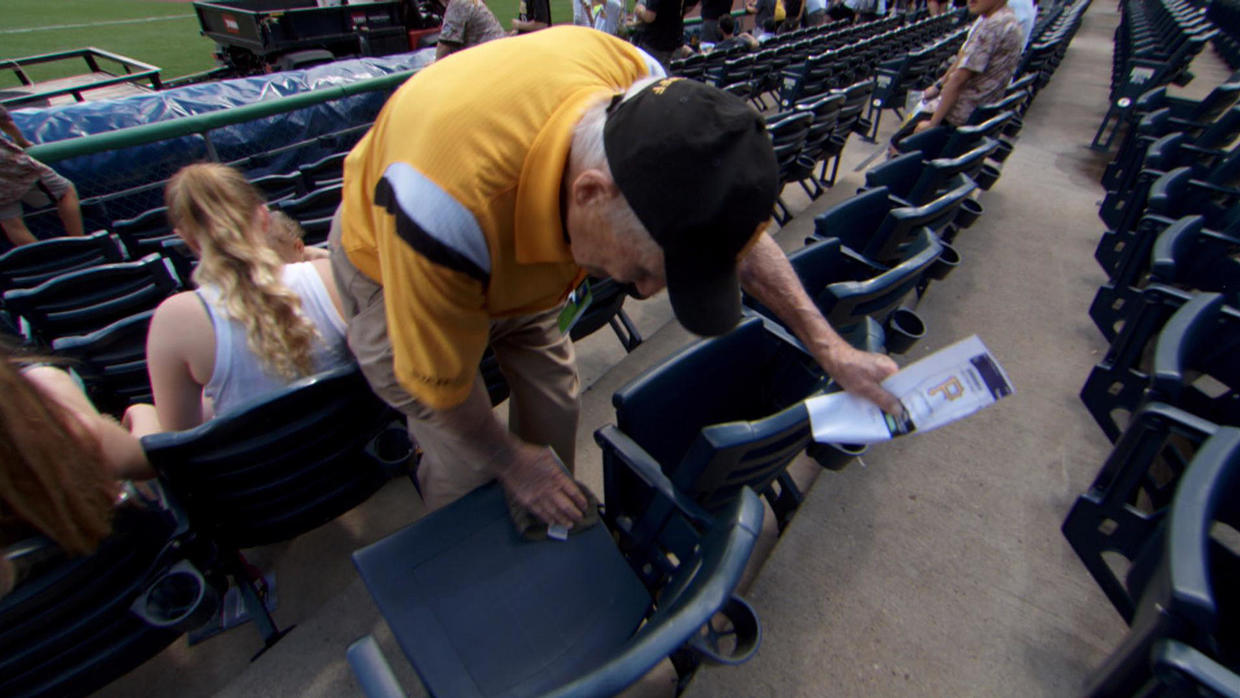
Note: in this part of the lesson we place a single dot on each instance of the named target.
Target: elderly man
(487, 189)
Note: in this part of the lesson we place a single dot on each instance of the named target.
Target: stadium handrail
(202, 123)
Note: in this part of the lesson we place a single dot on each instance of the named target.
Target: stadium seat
(863, 301)
(876, 225)
(1129, 496)
(86, 300)
(713, 437)
(1193, 336)
(76, 624)
(917, 181)
(278, 467)
(320, 203)
(31, 265)
(112, 363)
(143, 233)
(1186, 581)
(576, 618)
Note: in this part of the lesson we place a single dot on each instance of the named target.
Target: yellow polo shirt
(452, 200)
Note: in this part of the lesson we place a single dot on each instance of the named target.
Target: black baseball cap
(697, 167)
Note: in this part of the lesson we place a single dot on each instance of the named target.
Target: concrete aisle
(939, 569)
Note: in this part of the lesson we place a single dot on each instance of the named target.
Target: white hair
(589, 153)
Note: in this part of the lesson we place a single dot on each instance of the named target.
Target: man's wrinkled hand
(923, 126)
(539, 483)
(861, 372)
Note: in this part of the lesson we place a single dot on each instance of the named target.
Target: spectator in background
(727, 29)
(466, 23)
(794, 9)
(607, 15)
(1026, 14)
(712, 11)
(22, 178)
(762, 11)
(288, 239)
(254, 324)
(583, 14)
(815, 12)
(532, 15)
(978, 75)
(660, 28)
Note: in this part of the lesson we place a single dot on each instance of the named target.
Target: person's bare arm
(643, 13)
(524, 26)
(766, 273)
(8, 126)
(947, 97)
(444, 48)
(121, 451)
(179, 328)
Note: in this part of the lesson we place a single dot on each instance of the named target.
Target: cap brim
(706, 300)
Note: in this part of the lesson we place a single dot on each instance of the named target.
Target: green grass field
(161, 32)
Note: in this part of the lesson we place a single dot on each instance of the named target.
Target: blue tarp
(104, 173)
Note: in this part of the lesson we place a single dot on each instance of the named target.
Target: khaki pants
(537, 361)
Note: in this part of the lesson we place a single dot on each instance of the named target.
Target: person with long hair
(59, 461)
(253, 325)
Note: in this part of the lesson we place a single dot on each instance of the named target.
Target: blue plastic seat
(278, 467)
(713, 437)
(868, 304)
(917, 181)
(86, 300)
(76, 624)
(320, 203)
(143, 233)
(31, 265)
(112, 362)
(1192, 335)
(479, 610)
(1187, 582)
(1129, 496)
(876, 225)
(1181, 253)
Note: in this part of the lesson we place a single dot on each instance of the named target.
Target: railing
(91, 56)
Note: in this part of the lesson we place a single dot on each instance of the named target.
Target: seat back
(83, 301)
(68, 628)
(320, 203)
(1187, 255)
(846, 302)
(143, 233)
(283, 464)
(902, 224)
(1195, 365)
(710, 436)
(31, 265)
(856, 220)
(112, 362)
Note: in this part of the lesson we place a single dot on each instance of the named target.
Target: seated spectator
(466, 23)
(288, 239)
(254, 324)
(794, 10)
(727, 29)
(22, 178)
(979, 74)
(532, 15)
(766, 31)
(815, 12)
(58, 461)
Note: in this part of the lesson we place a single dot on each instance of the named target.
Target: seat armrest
(372, 671)
(644, 466)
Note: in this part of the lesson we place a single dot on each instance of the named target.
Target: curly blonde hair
(218, 210)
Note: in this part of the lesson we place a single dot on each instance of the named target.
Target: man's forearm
(480, 433)
(948, 95)
(767, 274)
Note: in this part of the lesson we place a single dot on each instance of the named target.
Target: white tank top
(239, 375)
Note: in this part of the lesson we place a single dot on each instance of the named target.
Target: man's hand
(860, 373)
(923, 126)
(930, 93)
(539, 483)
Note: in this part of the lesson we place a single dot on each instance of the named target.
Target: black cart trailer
(259, 36)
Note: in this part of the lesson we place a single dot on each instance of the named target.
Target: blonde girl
(254, 324)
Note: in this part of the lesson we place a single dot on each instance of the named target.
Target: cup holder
(1013, 126)
(947, 262)
(181, 599)
(835, 456)
(1002, 152)
(904, 327)
(392, 447)
(967, 215)
(987, 177)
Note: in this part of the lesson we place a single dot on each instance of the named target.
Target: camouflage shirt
(992, 53)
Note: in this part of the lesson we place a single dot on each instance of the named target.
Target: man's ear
(592, 187)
